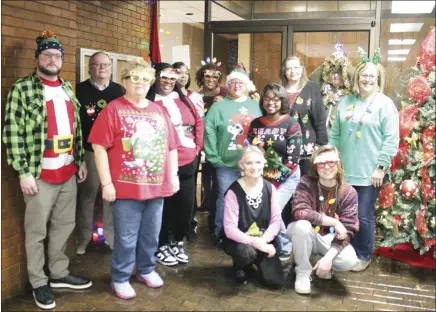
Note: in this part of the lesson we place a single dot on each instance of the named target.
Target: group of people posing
(140, 143)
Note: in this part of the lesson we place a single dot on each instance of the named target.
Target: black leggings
(270, 269)
(177, 210)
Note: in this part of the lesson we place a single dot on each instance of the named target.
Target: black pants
(270, 269)
(304, 166)
(210, 192)
(177, 210)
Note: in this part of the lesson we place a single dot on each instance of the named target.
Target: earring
(242, 173)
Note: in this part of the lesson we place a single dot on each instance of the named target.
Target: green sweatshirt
(379, 136)
(226, 128)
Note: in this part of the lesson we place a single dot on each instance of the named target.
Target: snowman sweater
(92, 101)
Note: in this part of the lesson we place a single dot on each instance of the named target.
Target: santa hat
(239, 72)
(48, 40)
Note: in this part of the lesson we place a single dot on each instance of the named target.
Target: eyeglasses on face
(166, 78)
(368, 77)
(136, 79)
(50, 56)
(295, 68)
(275, 100)
(103, 65)
(212, 76)
(329, 164)
(235, 83)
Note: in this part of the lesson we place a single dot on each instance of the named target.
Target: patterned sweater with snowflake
(306, 206)
(284, 138)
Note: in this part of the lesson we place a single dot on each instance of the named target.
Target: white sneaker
(81, 248)
(178, 251)
(165, 257)
(152, 280)
(361, 265)
(302, 285)
(123, 290)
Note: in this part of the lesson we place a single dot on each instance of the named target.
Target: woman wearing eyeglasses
(325, 210)
(306, 105)
(366, 132)
(226, 129)
(208, 77)
(135, 148)
(189, 125)
(279, 136)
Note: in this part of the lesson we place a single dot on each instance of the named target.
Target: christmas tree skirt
(405, 253)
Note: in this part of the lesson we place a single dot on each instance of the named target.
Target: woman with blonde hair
(325, 210)
(252, 221)
(306, 105)
(366, 132)
(135, 147)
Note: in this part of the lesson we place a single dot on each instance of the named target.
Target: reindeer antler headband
(375, 59)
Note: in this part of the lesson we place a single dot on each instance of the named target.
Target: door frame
(364, 22)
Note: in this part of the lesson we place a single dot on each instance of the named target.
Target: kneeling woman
(252, 221)
(326, 212)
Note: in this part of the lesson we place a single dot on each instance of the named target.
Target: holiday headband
(239, 72)
(338, 61)
(48, 40)
(214, 61)
(325, 158)
(340, 52)
(374, 59)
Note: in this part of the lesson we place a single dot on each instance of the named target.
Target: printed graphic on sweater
(238, 128)
(144, 144)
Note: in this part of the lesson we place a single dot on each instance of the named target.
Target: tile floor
(206, 283)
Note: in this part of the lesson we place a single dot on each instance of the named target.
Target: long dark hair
(151, 95)
(180, 64)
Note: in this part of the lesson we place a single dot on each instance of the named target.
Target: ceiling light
(407, 7)
(400, 52)
(401, 41)
(161, 30)
(406, 27)
(396, 58)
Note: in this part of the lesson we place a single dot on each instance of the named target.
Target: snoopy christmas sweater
(226, 129)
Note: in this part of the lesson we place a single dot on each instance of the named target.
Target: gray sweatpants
(306, 241)
(54, 204)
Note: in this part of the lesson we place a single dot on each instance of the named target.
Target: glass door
(261, 54)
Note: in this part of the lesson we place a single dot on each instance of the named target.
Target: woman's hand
(377, 177)
(260, 244)
(341, 231)
(175, 182)
(323, 266)
(108, 192)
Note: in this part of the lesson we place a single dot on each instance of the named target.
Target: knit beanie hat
(48, 40)
(239, 72)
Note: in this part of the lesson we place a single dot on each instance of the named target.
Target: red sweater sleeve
(304, 202)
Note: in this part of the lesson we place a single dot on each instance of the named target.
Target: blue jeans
(363, 242)
(136, 231)
(284, 194)
(225, 178)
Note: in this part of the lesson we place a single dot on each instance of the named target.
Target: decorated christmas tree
(406, 207)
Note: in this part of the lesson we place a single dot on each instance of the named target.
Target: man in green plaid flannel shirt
(48, 168)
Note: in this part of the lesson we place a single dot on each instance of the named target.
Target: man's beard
(49, 72)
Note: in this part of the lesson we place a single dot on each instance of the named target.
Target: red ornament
(419, 89)
(407, 119)
(429, 242)
(408, 188)
(386, 197)
(421, 227)
(427, 55)
(427, 138)
(398, 218)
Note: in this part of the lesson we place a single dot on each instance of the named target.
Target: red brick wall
(115, 26)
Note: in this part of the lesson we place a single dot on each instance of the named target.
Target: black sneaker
(43, 297)
(178, 252)
(71, 281)
(164, 256)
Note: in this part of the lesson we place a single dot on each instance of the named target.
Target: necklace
(353, 121)
(329, 205)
